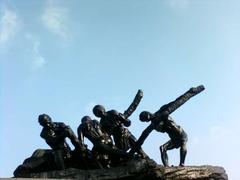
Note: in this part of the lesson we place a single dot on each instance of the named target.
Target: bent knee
(184, 148)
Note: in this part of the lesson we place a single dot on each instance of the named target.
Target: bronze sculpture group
(112, 141)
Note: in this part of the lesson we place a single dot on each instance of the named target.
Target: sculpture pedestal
(138, 169)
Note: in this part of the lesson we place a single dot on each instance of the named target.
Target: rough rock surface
(139, 169)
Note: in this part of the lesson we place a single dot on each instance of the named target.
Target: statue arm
(126, 122)
(49, 137)
(120, 117)
(80, 134)
(144, 135)
(142, 138)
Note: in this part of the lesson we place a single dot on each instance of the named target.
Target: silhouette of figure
(55, 134)
(162, 122)
(113, 123)
(103, 148)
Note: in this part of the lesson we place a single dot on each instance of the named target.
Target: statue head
(145, 116)
(86, 119)
(45, 120)
(99, 111)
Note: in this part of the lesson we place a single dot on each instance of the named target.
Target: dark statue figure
(162, 122)
(60, 156)
(103, 149)
(113, 123)
(105, 153)
(55, 134)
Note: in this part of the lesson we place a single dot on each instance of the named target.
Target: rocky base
(139, 169)
(191, 172)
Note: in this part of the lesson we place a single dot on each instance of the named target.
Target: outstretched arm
(50, 137)
(126, 122)
(120, 117)
(142, 138)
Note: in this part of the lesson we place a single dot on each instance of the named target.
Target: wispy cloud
(9, 25)
(55, 18)
(38, 59)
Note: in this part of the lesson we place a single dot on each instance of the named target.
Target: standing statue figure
(103, 149)
(162, 122)
(55, 134)
(113, 123)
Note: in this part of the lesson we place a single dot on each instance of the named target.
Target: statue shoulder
(60, 125)
(113, 112)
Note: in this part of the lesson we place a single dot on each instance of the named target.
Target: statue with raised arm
(162, 122)
(114, 123)
(55, 133)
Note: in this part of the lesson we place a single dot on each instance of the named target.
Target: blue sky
(63, 57)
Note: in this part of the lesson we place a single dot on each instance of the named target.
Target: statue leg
(163, 149)
(183, 153)
(58, 158)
